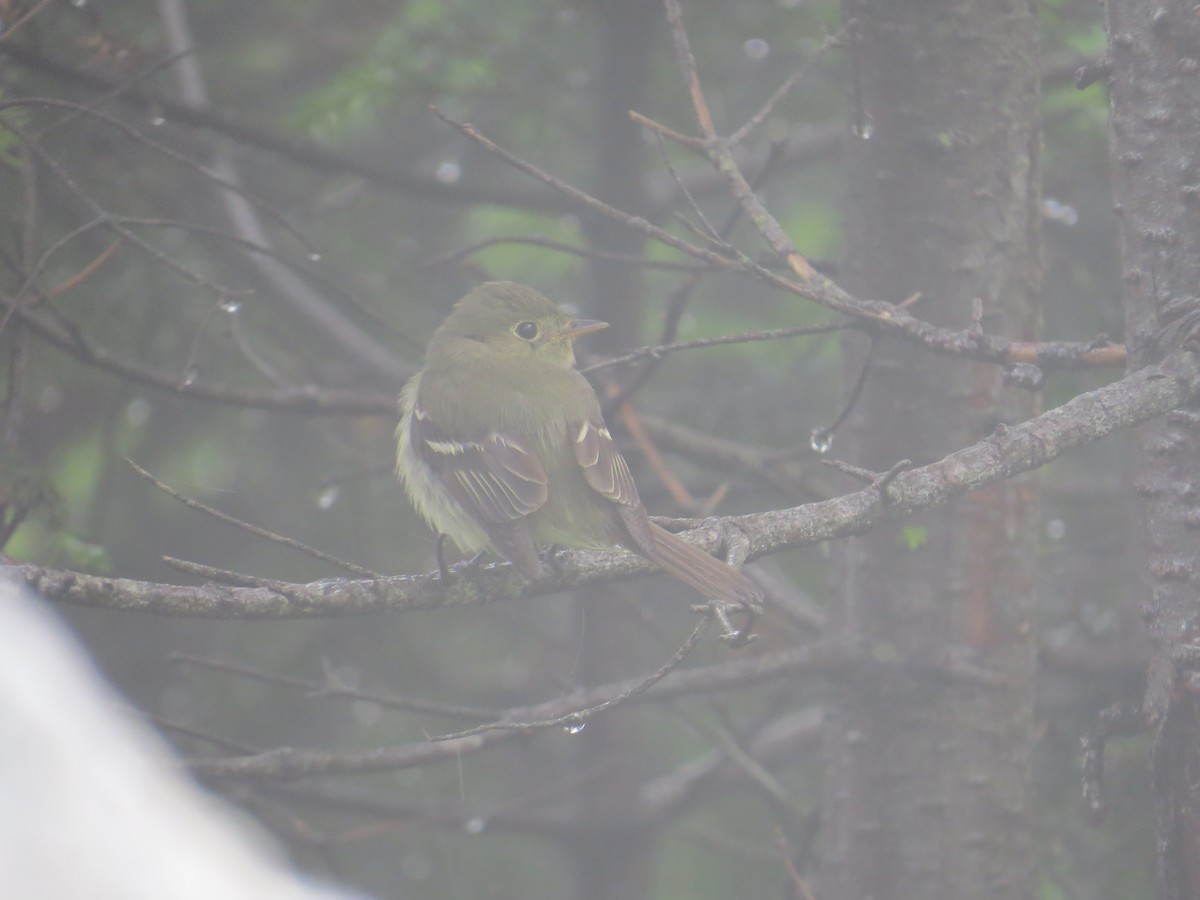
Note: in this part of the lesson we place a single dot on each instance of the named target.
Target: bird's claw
(549, 556)
(468, 567)
(721, 610)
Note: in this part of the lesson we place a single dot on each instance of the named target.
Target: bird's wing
(495, 477)
(603, 465)
(605, 470)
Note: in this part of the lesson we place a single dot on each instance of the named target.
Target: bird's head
(500, 319)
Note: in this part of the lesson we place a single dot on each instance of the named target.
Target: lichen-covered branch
(1136, 398)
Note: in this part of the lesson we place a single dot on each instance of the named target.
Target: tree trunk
(628, 31)
(1154, 51)
(612, 860)
(928, 774)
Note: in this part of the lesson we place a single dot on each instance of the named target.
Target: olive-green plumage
(502, 446)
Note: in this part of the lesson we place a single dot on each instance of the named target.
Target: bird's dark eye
(526, 331)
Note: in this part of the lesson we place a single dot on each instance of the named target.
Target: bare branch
(575, 719)
(663, 349)
(719, 152)
(822, 656)
(587, 201)
(1138, 397)
(890, 318)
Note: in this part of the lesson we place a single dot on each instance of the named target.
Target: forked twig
(721, 156)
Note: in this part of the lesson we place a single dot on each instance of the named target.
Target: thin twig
(801, 888)
(884, 316)
(707, 233)
(85, 273)
(537, 241)
(214, 574)
(575, 720)
(722, 158)
(309, 272)
(80, 194)
(783, 90)
(682, 294)
(679, 493)
(586, 200)
(12, 27)
(195, 733)
(306, 153)
(330, 688)
(664, 131)
(170, 153)
(252, 529)
(745, 761)
(306, 399)
(658, 351)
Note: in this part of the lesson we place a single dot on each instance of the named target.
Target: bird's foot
(724, 611)
(466, 568)
(549, 555)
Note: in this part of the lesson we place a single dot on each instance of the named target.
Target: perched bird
(502, 446)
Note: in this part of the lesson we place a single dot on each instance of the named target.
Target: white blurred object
(92, 807)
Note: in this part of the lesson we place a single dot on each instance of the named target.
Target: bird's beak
(580, 327)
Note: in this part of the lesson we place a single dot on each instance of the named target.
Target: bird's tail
(710, 576)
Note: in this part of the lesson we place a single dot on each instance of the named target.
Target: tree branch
(820, 656)
(1011, 450)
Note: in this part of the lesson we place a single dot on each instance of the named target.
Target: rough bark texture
(926, 791)
(1154, 50)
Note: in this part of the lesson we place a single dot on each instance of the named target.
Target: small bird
(502, 445)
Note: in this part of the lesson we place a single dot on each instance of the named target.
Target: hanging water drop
(864, 126)
(137, 412)
(575, 726)
(475, 825)
(756, 48)
(1057, 211)
(821, 441)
